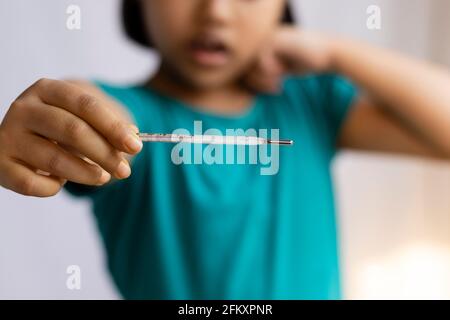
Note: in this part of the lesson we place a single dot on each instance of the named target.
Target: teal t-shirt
(226, 231)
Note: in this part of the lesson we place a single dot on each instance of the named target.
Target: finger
(47, 156)
(269, 63)
(44, 173)
(21, 179)
(266, 74)
(65, 128)
(268, 84)
(92, 110)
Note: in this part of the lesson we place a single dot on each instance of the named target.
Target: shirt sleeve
(324, 102)
(339, 97)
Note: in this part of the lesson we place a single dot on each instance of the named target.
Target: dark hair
(133, 21)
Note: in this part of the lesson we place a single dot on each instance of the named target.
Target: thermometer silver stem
(211, 139)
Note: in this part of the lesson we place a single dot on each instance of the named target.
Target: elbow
(447, 155)
(439, 151)
(443, 145)
(445, 151)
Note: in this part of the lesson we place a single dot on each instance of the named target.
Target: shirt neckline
(197, 111)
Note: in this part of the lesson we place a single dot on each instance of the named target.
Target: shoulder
(324, 91)
(317, 83)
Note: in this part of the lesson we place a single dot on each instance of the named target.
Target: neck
(228, 99)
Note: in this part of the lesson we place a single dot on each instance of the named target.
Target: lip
(209, 51)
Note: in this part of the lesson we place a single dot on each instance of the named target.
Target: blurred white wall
(394, 212)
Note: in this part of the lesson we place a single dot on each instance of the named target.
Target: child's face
(210, 43)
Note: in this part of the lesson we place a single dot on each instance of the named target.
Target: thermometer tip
(282, 142)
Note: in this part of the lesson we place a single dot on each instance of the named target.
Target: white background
(394, 212)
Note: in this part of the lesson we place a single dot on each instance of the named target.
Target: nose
(217, 12)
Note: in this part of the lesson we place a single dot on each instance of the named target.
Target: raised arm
(404, 106)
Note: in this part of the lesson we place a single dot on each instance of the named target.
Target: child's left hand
(291, 51)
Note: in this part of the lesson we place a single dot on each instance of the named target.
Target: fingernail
(133, 143)
(123, 170)
(134, 128)
(104, 178)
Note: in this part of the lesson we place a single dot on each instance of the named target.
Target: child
(223, 231)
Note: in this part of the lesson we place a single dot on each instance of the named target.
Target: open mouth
(209, 51)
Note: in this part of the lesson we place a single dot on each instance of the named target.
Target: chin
(205, 79)
(210, 80)
(208, 83)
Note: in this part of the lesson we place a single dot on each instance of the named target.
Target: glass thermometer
(211, 139)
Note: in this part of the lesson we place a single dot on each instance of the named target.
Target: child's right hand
(56, 131)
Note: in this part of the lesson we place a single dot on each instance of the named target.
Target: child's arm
(405, 107)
